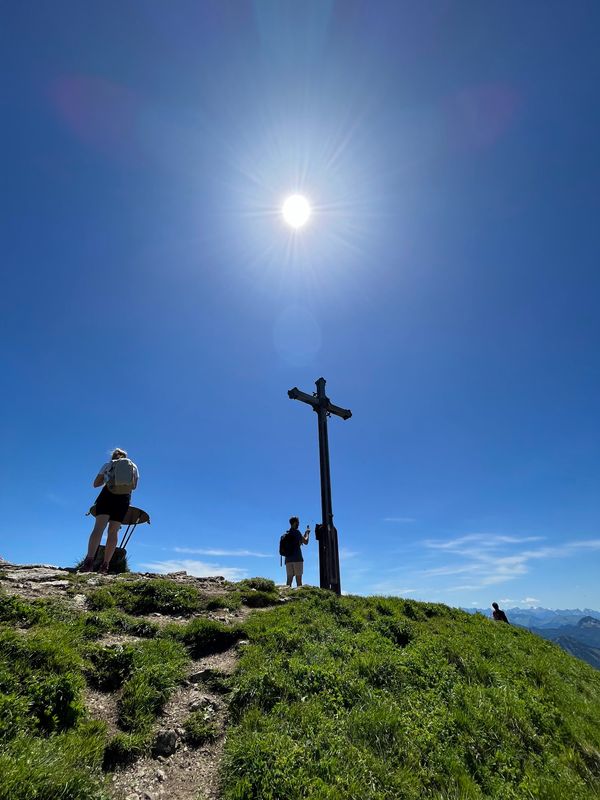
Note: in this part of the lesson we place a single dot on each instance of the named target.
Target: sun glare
(296, 210)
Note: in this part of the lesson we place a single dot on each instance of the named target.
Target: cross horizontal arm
(344, 413)
(296, 394)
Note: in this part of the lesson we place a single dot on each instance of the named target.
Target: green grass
(199, 730)
(47, 653)
(147, 596)
(334, 699)
(248, 593)
(204, 636)
(40, 681)
(19, 612)
(231, 601)
(255, 598)
(261, 584)
(96, 624)
(257, 592)
(25, 613)
(157, 667)
(64, 766)
(47, 747)
(124, 748)
(108, 667)
(375, 698)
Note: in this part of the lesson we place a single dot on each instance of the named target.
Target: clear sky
(447, 285)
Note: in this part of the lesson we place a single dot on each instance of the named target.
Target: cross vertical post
(326, 533)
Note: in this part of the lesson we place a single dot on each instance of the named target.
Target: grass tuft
(65, 766)
(157, 666)
(109, 666)
(231, 600)
(255, 598)
(260, 584)
(203, 637)
(199, 730)
(123, 749)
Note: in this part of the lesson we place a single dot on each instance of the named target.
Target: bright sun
(296, 210)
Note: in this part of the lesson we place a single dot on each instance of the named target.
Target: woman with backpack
(118, 477)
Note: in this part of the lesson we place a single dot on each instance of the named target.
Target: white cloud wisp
(486, 558)
(199, 569)
(216, 552)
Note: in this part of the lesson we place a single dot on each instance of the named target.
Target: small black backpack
(286, 544)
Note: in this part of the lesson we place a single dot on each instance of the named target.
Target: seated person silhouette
(498, 614)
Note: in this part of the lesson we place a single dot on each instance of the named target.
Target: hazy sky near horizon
(447, 286)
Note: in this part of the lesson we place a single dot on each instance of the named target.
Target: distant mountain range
(581, 640)
(575, 630)
(542, 617)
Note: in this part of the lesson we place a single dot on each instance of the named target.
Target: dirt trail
(189, 773)
(185, 773)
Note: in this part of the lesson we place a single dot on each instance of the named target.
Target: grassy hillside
(373, 699)
(333, 698)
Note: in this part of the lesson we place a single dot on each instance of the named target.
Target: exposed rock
(165, 743)
(38, 573)
(202, 675)
(79, 600)
(204, 703)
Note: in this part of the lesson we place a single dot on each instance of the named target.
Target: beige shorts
(294, 569)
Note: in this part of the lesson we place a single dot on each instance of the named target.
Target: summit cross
(326, 533)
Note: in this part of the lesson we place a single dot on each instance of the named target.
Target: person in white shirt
(112, 505)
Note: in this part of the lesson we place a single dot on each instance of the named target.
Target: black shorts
(115, 505)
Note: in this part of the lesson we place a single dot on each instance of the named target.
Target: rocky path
(174, 769)
(177, 770)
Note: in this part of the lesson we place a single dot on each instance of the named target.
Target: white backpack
(121, 476)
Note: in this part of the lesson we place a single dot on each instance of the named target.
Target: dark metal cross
(326, 533)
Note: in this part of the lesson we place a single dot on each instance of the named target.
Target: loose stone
(165, 743)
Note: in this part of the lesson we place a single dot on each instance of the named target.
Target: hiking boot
(104, 569)
(87, 565)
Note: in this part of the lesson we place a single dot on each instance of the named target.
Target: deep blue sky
(447, 285)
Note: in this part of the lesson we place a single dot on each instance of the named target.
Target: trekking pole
(126, 538)
(122, 545)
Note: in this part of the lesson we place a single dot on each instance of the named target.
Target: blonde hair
(118, 453)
